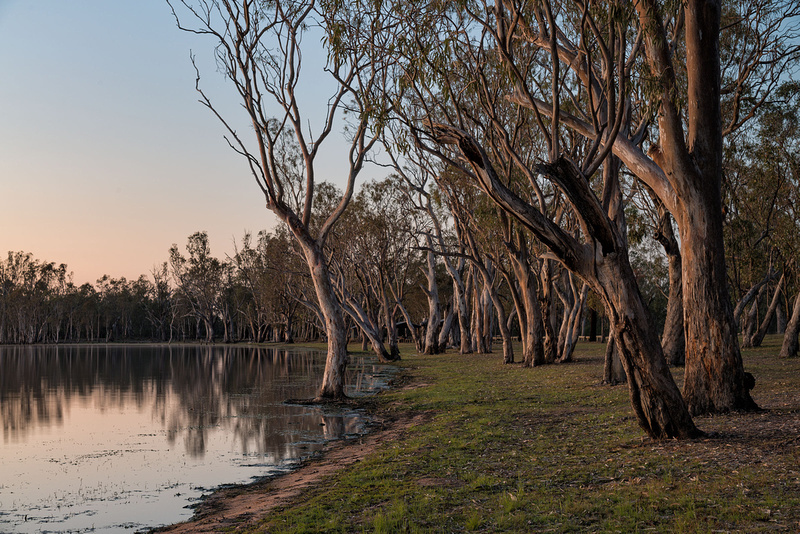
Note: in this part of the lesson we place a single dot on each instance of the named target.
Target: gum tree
(259, 47)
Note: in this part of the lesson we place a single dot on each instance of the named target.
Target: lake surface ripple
(109, 438)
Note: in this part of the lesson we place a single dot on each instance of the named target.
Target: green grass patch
(550, 449)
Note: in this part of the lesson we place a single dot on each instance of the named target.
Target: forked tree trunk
(714, 377)
(790, 345)
(572, 322)
(531, 326)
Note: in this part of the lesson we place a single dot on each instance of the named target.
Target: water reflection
(155, 406)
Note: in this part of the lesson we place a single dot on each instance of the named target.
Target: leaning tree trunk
(604, 264)
(370, 331)
(444, 332)
(791, 345)
(758, 337)
(655, 398)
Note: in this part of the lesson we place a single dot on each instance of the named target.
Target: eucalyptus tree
(762, 195)
(260, 48)
(376, 246)
(479, 231)
(159, 306)
(455, 51)
(198, 279)
(420, 175)
(703, 81)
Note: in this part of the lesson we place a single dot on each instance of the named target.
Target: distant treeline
(199, 298)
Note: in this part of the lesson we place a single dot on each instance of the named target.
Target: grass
(508, 449)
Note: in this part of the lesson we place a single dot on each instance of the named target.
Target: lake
(121, 438)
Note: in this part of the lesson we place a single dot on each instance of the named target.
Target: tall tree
(259, 47)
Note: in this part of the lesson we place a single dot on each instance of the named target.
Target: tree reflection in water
(191, 389)
(107, 437)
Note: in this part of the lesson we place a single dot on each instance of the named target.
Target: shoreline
(241, 505)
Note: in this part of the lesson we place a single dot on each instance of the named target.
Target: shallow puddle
(123, 438)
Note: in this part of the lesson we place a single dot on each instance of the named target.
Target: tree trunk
(656, 400)
(791, 345)
(673, 339)
(572, 321)
(531, 326)
(750, 295)
(603, 263)
(444, 333)
(434, 316)
(758, 337)
(547, 306)
(780, 317)
(487, 271)
(714, 378)
(336, 359)
(751, 319)
(613, 373)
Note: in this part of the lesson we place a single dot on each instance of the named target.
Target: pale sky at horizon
(106, 156)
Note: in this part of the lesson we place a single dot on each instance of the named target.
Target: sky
(106, 156)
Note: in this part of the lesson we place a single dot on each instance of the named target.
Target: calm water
(121, 438)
